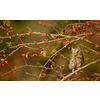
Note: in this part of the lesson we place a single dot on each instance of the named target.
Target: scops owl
(76, 59)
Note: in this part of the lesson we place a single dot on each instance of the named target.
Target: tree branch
(64, 78)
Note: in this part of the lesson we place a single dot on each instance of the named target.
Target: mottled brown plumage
(76, 59)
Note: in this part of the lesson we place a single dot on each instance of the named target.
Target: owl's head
(76, 51)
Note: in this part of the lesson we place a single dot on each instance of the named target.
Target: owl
(76, 59)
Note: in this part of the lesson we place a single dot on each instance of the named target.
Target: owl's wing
(72, 63)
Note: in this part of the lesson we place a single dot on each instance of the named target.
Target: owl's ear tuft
(78, 48)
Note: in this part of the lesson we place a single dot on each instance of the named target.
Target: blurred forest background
(22, 26)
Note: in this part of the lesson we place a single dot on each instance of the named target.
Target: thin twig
(22, 67)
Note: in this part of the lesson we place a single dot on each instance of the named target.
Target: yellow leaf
(1, 59)
(7, 24)
(4, 55)
(7, 33)
(60, 67)
(26, 55)
(75, 25)
(52, 35)
(4, 22)
(43, 53)
(52, 64)
(87, 78)
(1, 26)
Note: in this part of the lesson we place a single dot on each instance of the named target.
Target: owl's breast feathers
(76, 60)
